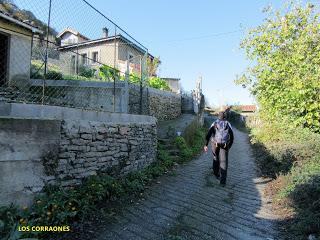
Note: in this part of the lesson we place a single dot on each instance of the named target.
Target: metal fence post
(126, 87)
(141, 90)
(114, 69)
(46, 53)
(47, 43)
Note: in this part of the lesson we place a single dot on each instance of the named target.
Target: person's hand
(205, 148)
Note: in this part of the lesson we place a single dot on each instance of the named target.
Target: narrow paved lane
(192, 205)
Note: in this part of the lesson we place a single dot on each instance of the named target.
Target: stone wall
(87, 148)
(187, 103)
(163, 105)
(54, 145)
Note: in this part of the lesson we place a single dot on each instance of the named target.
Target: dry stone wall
(87, 148)
(163, 105)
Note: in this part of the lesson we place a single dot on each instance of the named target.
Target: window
(84, 58)
(73, 65)
(130, 56)
(4, 50)
(95, 57)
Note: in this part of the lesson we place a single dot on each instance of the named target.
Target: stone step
(164, 140)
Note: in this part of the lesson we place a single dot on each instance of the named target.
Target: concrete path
(192, 205)
(179, 124)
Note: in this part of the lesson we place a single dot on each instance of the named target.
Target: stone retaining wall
(87, 148)
(163, 105)
(42, 145)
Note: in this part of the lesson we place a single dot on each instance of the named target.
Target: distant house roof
(74, 32)
(102, 40)
(19, 22)
(247, 108)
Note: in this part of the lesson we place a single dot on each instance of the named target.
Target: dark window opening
(73, 65)
(95, 57)
(4, 52)
(84, 58)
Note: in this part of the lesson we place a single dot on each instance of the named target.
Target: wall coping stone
(34, 111)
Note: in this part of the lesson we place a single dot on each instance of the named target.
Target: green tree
(285, 73)
(158, 83)
(153, 65)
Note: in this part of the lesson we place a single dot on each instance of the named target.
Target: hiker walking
(221, 136)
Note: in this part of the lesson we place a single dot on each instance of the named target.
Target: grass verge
(291, 156)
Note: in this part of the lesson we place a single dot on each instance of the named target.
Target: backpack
(222, 135)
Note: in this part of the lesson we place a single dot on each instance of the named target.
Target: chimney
(105, 32)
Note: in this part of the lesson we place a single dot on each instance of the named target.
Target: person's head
(222, 116)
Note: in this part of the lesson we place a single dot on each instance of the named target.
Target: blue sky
(185, 34)
(192, 38)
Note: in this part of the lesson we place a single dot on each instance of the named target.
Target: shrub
(86, 72)
(53, 75)
(108, 73)
(158, 83)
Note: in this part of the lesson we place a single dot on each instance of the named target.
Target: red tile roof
(247, 108)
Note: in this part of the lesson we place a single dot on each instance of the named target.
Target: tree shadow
(269, 165)
(305, 200)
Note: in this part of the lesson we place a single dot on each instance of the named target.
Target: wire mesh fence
(67, 53)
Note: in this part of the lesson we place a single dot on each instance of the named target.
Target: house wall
(106, 55)
(43, 145)
(106, 52)
(19, 53)
(19, 64)
(69, 38)
(174, 84)
(124, 50)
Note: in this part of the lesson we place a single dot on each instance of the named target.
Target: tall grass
(291, 155)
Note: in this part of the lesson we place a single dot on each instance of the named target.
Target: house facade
(114, 51)
(71, 36)
(174, 84)
(15, 48)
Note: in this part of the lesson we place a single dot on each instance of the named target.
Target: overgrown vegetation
(57, 206)
(284, 78)
(292, 157)
(285, 75)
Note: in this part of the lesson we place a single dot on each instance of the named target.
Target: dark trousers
(220, 162)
